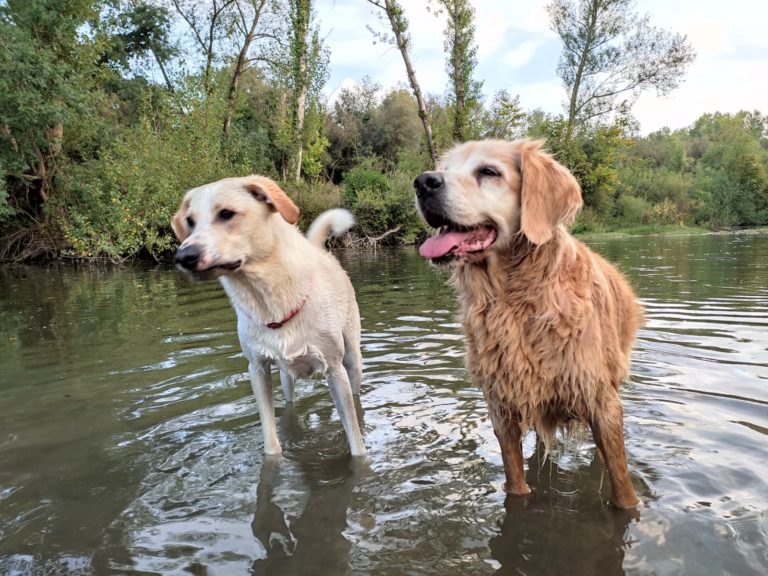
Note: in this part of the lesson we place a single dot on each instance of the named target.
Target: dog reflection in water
(314, 541)
(562, 528)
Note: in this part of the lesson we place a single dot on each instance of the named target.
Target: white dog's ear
(178, 224)
(267, 190)
(550, 194)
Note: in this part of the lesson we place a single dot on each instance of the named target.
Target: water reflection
(130, 441)
(565, 526)
(327, 476)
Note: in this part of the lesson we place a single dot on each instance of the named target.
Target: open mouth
(217, 270)
(454, 241)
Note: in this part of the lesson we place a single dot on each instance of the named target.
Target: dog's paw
(519, 489)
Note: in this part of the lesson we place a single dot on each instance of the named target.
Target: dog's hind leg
(261, 382)
(607, 425)
(353, 361)
(287, 383)
(341, 392)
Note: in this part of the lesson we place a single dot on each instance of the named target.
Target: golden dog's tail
(331, 222)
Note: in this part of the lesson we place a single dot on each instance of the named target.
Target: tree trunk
(301, 108)
(300, 52)
(242, 60)
(402, 44)
(574, 99)
(163, 71)
(460, 104)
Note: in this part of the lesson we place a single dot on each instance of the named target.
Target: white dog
(295, 304)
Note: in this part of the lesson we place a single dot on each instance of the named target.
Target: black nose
(187, 257)
(428, 183)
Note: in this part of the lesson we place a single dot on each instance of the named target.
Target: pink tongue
(440, 245)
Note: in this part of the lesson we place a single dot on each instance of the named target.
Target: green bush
(312, 199)
(587, 221)
(631, 210)
(122, 203)
(364, 177)
(382, 202)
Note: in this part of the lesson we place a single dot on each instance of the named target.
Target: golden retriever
(549, 324)
(295, 305)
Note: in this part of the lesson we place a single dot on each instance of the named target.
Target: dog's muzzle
(430, 193)
(428, 184)
(187, 257)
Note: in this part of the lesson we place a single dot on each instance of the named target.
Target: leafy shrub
(365, 177)
(588, 220)
(122, 203)
(313, 199)
(633, 210)
(382, 202)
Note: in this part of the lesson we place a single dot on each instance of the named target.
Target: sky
(517, 51)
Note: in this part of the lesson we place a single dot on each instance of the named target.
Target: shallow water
(130, 442)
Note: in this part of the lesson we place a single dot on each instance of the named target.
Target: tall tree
(249, 15)
(299, 69)
(300, 14)
(399, 26)
(148, 31)
(461, 52)
(209, 22)
(611, 54)
(505, 118)
(46, 73)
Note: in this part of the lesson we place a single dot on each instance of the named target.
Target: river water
(130, 441)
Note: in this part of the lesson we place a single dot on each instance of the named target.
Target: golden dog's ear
(550, 194)
(178, 224)
(268, 191)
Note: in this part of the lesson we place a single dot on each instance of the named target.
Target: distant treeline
(108, 113)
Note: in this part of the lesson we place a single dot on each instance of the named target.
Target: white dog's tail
(331, 222)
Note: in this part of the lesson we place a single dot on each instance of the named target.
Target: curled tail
(331, 222)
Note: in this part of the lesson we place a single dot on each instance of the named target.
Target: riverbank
(669, 230)
(357, 242)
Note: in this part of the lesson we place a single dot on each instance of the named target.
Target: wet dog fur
(549, 324)
(242, 231)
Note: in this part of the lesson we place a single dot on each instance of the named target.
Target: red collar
(291, 314)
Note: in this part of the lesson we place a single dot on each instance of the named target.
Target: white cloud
(730, 71)
(520, 56)
(712, 85)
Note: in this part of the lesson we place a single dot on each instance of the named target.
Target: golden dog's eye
(225, 214)
(190, 222)
(488, 171)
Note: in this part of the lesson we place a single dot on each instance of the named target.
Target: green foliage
(610, 55)
(505, 118)
(122, 203)
(313, 198)
(461, 61)
(382, 202)
(365, 177)
(96, 152)
(46, 72)
(395, 127)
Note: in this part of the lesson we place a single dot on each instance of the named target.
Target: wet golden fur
(549, 323)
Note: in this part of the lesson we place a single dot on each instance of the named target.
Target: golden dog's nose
(428, 183)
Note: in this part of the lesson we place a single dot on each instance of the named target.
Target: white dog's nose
(187, 256)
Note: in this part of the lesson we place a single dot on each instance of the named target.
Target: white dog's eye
(488, 171)
(225, 214)
(190, 222)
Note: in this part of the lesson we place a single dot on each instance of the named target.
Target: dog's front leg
(510, 436)
(261, 382)
(341, 392)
